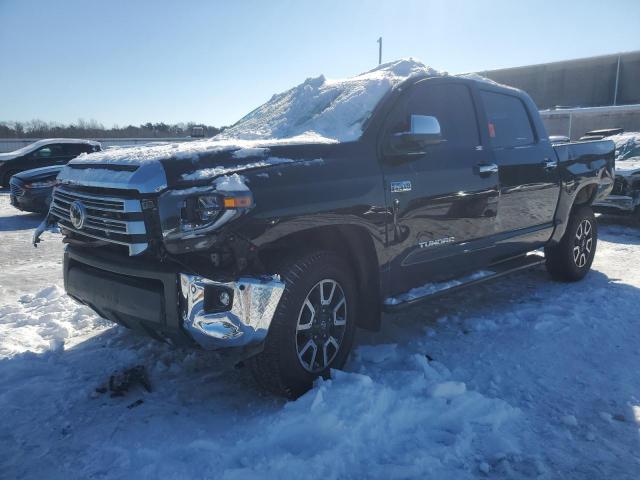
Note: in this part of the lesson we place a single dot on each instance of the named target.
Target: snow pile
(393, 414)
(479, 78)
(44, 322)
(627, 152)
(625, 144)
(335, 109)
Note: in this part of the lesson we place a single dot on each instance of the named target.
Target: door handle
(487, 169)
(549, 164)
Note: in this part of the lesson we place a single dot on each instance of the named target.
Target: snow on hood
(627, 160)
(319, 110)
(191, 150)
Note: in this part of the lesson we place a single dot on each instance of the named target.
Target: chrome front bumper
(624, 203)
(242, 320)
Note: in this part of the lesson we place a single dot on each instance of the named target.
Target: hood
(39, 173)
(630, 166)
(181, 165)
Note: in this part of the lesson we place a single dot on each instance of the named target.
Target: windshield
(26, 149)
(321, 107)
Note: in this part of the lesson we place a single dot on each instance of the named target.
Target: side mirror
(425, 130)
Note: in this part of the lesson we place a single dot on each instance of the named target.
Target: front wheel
(314, 325)
(571, 259)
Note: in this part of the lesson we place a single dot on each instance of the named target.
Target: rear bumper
(621, 203)
(160, 301)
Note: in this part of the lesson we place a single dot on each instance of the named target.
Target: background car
(625, 196)
(43, 153)
(31, 190)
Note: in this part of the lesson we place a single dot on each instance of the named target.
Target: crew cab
(43, 153)
(273, 250)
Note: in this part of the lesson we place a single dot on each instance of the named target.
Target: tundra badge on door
(437, 242)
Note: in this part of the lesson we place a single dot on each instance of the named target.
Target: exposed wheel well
(355, 245)
(586, 195)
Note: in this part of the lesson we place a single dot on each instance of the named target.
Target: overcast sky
(128, 62)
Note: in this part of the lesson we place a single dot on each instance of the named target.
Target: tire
(288, 365)
(571, 259)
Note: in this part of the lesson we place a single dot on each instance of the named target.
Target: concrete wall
(575, 122)
(585, 82)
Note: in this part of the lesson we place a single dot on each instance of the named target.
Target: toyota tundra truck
(316, 213)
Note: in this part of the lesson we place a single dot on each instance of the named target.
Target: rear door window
(75, 149)
(509, 124)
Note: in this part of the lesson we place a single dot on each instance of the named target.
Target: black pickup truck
(274, 251)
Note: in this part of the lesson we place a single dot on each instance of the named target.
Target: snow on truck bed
(319, 110)
(520, 378)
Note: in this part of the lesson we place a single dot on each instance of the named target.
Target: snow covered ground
(518, 378)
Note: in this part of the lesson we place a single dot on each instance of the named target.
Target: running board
(436, 289)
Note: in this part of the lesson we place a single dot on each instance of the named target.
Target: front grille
(619, 186)
(16, 191)
(110, 219)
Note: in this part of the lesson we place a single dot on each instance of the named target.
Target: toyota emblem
(77, 214)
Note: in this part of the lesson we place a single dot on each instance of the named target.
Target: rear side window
(450, 103)
(75, 149)
(509, 124)
(49, 151)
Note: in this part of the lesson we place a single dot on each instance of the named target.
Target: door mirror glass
(424, 130)
(425, 125)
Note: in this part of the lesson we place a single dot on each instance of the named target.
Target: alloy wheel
(321, 325)
(583, 243)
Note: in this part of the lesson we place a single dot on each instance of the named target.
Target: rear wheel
(571, 259)
(313, 328)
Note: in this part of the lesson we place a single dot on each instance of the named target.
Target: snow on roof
(335, 109)
(479, 78)
(319, 110)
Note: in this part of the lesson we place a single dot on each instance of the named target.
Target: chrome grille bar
(107, 218)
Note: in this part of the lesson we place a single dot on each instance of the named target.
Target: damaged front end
(161, 259)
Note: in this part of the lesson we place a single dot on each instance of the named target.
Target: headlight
(199, 211)
(189, 215)
(41, 184)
